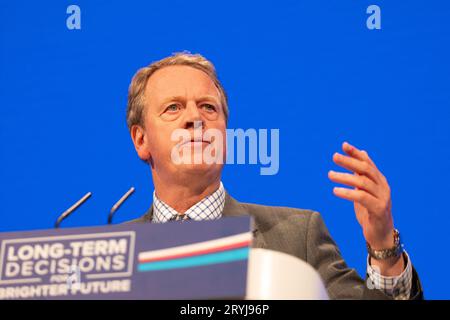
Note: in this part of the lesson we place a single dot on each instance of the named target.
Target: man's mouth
(194, 142)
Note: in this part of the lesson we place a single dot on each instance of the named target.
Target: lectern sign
(51, 259)
(176, 260)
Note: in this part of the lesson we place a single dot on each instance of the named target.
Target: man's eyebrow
(173, 98)
(209, 97)
(183, 99)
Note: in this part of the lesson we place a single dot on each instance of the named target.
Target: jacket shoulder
(273, 215)
(282, 229)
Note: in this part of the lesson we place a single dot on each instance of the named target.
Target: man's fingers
(360, 196)
(355, 165)
(354, 152)
(357, 181)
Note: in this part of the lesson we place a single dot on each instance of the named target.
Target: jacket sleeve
(341, 281)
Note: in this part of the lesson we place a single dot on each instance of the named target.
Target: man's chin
(200, 168)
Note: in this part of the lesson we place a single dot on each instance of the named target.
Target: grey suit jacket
(303, 234)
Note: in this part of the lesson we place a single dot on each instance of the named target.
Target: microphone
(119, 203)
(69, 211)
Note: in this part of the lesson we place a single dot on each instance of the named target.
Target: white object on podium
(276, 275)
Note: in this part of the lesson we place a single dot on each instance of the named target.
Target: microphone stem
(66, 213)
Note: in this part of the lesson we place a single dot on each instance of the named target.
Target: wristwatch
(384, 254)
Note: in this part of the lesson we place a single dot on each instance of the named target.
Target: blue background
(310, 68)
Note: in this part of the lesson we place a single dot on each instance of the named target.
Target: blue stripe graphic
(207, 259)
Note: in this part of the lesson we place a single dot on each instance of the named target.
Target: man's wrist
(388, 261)
(391, 251)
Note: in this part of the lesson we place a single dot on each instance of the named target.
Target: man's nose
(193, 117)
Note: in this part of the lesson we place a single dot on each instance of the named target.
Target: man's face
(180, 97)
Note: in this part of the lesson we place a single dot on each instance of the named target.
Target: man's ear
(140, 141)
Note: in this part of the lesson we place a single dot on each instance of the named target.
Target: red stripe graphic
(199, 252)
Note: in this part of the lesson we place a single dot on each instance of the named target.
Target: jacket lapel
(233, 208)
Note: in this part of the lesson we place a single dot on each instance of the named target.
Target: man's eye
(209, 107)
(173, 108)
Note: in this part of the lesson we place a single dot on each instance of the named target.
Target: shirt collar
(209, 208)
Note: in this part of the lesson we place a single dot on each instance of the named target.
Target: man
(182, 92)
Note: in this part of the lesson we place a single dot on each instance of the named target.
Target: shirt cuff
(398, 287)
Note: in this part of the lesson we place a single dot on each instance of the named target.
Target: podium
(275, 275)
(176, 260)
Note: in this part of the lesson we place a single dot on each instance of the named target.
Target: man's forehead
(179, 81)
